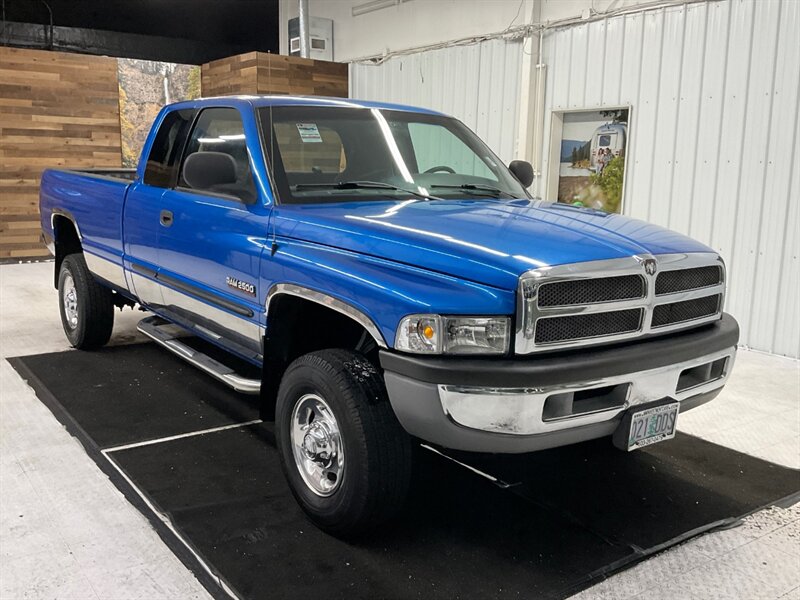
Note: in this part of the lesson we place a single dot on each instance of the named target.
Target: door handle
(166, 218)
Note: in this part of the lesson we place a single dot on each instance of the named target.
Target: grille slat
(688, 310)
(575, 327)
(682, 280)
(591, 291)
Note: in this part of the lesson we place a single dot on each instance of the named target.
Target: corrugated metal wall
(479, 84)
(714, 134)
(714, 91)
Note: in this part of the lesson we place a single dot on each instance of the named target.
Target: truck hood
(486, 241)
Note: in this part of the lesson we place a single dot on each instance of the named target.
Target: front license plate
(652, 425)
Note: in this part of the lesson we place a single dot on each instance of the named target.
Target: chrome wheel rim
(70, 298)
(317, 445)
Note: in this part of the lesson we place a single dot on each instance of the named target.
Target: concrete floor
(66, 532)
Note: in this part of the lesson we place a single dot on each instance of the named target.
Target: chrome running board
(166, 334)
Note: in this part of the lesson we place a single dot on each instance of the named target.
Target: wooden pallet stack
(262, 73)
(56, 110)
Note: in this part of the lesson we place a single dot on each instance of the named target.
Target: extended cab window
(219, 132)
(350, 154)
(162, 162)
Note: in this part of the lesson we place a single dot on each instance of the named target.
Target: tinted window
(162, 163)
(221, 130)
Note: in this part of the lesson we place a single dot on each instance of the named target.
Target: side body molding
(329, 301)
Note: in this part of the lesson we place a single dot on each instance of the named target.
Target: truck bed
(126, 175)
(93, 200)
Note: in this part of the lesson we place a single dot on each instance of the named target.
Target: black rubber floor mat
(125, 394)
(567, 517)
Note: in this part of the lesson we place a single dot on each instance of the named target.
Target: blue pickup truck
(392, 280)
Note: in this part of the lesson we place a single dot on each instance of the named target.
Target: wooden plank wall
(301, 76)
(60, 109)
(56, 109)
(262, 73)
(230, 76)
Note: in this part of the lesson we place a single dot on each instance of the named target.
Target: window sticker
(309, 132)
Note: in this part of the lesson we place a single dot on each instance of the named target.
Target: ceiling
(218, 27)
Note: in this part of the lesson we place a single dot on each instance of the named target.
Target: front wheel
(87, 308)
(343, 452)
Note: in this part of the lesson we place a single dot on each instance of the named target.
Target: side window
(162, 162)
(437, 146)
(310, 148)
(219, 131)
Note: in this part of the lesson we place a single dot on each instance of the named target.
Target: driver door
(211, 244)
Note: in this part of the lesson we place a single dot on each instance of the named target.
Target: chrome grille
(581, 327)
(591, 291)
(610, 300)
(670, 282)
(688, 310)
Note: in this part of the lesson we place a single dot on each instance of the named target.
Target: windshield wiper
(353, 185)
(476, 187)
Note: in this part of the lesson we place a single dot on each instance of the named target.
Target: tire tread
(96, 305)
(383, 487)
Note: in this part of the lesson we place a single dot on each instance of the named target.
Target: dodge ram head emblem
(649, 265)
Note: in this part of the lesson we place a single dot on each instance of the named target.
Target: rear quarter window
(161, 169)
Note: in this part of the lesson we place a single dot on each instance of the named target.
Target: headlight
(435, 334)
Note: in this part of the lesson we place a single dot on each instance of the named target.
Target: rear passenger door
(143, 205)
(211, 240)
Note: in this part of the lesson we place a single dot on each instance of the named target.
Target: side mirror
(523, 171)
(204, 170)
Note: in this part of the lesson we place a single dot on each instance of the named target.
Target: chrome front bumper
(513, 405)
(532, 411)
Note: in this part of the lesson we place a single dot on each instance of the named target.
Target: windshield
(338, 154)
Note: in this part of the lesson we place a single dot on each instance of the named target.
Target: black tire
(376, 474)
(94, 308)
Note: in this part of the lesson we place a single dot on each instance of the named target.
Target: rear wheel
(344, 454)
(87, 308)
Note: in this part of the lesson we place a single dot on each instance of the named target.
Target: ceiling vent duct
(373, 5)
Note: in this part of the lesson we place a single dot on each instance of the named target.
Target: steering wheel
(442, 168)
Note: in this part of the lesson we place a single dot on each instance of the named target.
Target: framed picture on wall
(588, 156)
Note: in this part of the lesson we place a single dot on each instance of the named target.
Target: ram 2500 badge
(395, 282)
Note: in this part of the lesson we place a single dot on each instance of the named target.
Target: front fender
(382, 290)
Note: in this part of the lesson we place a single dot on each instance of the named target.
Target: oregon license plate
(652, 425)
